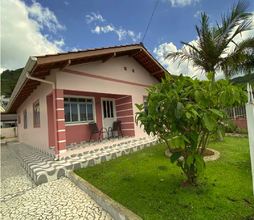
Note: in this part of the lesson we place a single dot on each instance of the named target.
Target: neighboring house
(57, 95)
(4, 101)
(6, 120)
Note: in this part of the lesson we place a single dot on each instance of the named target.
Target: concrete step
(43, 168)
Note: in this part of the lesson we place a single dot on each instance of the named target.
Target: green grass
(149, 185)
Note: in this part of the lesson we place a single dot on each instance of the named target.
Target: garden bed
(149, 185)
(209, 154)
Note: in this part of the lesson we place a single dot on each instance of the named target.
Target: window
(145, 103)
(36, 114)
(78, 109)
(108, 110)
(25, 119)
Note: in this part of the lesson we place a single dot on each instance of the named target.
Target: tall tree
(220, 47)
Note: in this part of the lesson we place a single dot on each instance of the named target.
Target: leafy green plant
(220, 47)
(183, 113)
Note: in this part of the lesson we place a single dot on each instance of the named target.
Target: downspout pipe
(28, 76)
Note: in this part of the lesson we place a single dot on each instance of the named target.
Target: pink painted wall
(110, 78)
(240, 122)
(75, 133)
(36, 137)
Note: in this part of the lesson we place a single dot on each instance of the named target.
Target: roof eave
(27, 69)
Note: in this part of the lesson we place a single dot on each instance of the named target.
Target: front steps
(43, 168)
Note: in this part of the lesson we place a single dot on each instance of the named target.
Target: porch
(69, 118)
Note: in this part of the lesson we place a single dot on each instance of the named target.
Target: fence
(238, 116)
(8, 132)
(237, 112)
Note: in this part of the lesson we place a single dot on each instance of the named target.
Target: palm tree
(220, 47)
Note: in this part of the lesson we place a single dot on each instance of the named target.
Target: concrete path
(59, 199)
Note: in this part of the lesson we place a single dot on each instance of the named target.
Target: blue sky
(169, 24)
(65, 25)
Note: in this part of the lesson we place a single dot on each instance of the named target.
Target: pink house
(57, 95)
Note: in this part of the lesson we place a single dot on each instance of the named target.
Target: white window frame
(82, 122)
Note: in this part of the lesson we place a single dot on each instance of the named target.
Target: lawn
(149, 185)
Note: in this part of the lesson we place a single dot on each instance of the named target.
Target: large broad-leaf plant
(183, 113)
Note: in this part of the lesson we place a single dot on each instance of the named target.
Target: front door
(108, 113)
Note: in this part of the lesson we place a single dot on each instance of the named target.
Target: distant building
(7, 120)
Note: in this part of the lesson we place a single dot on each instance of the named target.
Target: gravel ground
(59, 199)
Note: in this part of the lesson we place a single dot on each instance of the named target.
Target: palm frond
(240, 60)
(237, 22)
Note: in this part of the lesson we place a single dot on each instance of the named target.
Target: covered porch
(70, 115)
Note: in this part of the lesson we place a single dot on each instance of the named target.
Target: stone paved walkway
(59, 199)
(14, 179)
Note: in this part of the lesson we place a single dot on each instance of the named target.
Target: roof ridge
(91, 49)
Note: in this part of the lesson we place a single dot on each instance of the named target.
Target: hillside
(9, 79)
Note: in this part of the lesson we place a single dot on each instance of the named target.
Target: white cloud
(120, 32)
(66, 3)
(75, 49)
(59, 43)
(44, 17)
(1, 70)
(176, 67)
(197, 14)
(182, 3)
(21, 35)
(93, 17)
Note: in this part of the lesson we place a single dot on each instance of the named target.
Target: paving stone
(37, 163)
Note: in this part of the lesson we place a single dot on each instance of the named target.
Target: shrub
(183, 113)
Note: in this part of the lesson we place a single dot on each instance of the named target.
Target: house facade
(58, 95)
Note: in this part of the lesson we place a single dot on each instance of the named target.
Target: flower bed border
(115, 209)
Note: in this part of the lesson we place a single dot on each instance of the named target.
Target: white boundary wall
(9, 132)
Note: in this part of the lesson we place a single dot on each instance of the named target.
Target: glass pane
(89, 111)
(81, 100)
(111, 109)
(82, 112)
(67, 112)
(74, 112)
(108, 110)
(89, 100)
(36, 114)
(73, 99)
(66, 99)
(104, 109)
(25, 119)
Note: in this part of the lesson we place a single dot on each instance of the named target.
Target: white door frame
(102, 112)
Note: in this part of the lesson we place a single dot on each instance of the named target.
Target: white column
(250, 124)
